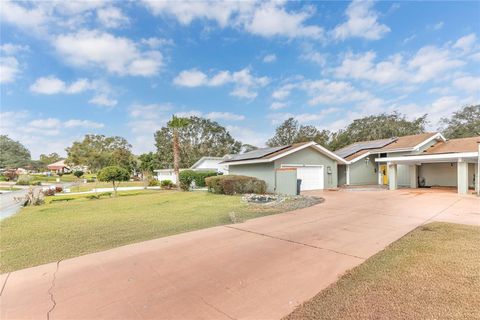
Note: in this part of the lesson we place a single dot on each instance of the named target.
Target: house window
(383, 155)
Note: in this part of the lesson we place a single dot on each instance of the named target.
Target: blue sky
(122, 68)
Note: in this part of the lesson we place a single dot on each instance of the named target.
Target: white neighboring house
(210, 164)
(203, 164)
(166, 174)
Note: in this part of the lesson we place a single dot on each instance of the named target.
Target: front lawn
(82, 187)
(431, 273)
(64, 229)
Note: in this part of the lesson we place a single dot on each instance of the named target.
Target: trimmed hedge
(189, 176)
(230, 185)
(200, 177)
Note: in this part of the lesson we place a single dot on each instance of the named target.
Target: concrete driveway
(260, 269)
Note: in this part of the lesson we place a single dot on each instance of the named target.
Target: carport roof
(455, 146)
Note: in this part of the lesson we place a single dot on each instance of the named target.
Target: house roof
(362, 145)
(272, 154)
(404, 143)
(455, 146)
(57, 165)
(204, 159)
(407, 142)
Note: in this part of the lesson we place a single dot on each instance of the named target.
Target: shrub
(60, 199)
(200, 177)
(58, 188)
(167, 184)
(186, 179)
(153, 183)
(24, 180)
(90, 180)
(78, 173)
(235, 185)
(93, 196)
(49, 192)
(10, 175)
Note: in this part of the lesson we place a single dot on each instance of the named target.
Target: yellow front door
(383, 171)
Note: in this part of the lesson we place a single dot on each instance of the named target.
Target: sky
(69, 68)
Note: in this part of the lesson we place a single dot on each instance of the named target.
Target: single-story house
(59, 167)
(203, 164)
(210, 164)
(422, 160)
(314, 165)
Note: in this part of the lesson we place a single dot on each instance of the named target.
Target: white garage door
(312, 177)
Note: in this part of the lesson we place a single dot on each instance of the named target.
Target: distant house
(59, 167)
(203, 164)
(210, 164)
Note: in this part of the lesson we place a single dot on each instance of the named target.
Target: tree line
(196, 137)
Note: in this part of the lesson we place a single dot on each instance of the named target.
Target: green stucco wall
(309, 156)
(364, 172)
(286, 182)
(263, 171)
(444, 174)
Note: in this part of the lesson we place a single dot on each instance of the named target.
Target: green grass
(10, 188)
(431, 273)
(59, 230)
(82, 187)
(63, 178)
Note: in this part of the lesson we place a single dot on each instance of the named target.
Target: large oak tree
(98, 151)
(13, 154)
(202, 137)
(463, 123)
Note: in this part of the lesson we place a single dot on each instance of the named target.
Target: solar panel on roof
(255, 154)
(364, 145)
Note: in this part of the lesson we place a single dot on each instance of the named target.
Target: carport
(466, 164)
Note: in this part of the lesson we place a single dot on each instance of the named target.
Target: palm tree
(175, 124)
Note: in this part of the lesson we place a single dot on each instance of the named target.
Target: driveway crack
(5, 283)
(50, 291)
(215, 308)
(296, 242)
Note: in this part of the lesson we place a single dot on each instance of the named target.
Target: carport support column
(392, 176)
(413, 176)
(462, 177)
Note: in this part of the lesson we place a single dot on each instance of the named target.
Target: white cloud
(270, 58)
(112, 17)
(362, 66)
(191, 78)
(468, 84)
(9, 69)
(283, 92)
(314, 56)
(266, 19)
(248, 135)
(44, 135)
(10, 48)
(431, 62)
(278, 105)
(428, 63)
(362, 23)
(53, 85)
(75, 123)
(225, 116)
(245, 84)
(437, 26)
(466, 43)
(103, 100)
(154, 42)
(118, 55)
(26, 18)
(271, 19)
(277, 118)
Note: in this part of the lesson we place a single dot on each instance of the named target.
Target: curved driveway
(260, 269)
